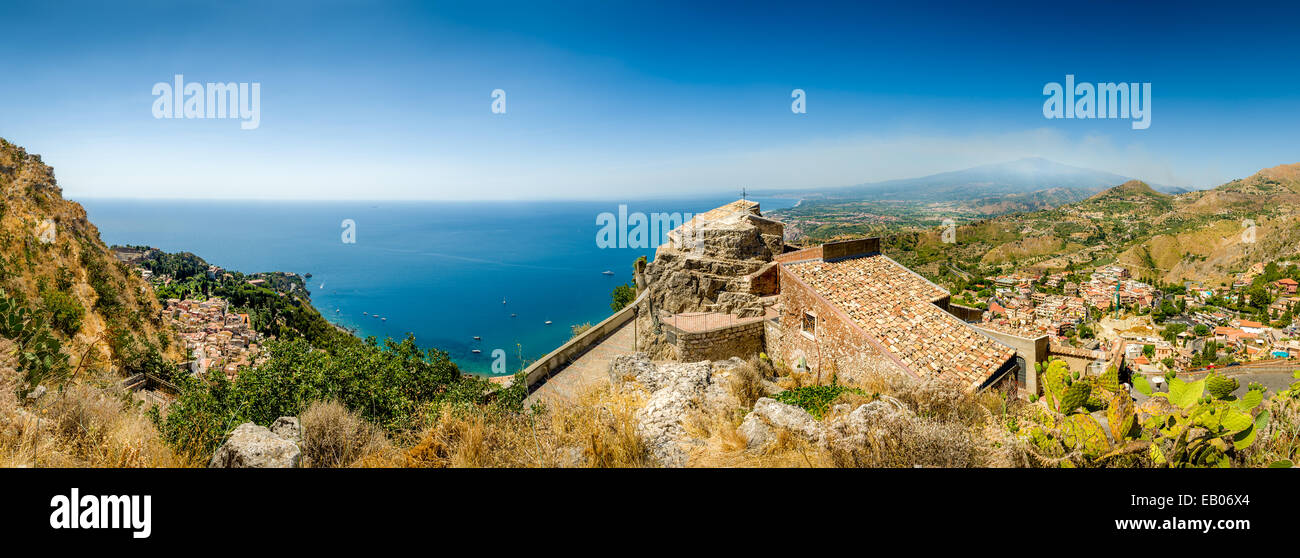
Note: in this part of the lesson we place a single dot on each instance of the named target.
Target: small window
(809, 324)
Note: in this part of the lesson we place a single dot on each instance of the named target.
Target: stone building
(727, 285)
(849, 310)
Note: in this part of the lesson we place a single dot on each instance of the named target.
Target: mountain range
(1205, 235)
(1012, 178)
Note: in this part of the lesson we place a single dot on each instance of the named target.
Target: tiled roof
(895, 305)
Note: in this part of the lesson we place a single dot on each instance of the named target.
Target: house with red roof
(849, 310)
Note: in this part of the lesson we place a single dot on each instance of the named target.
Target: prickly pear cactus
(1110, 380)
(1056, 379)
(1075, 396)
(1122, 418)
(1221, 387)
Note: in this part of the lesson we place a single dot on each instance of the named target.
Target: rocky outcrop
(769, 415)
(713, 254)
(253, 446)
(718, 261)
(853, 429)
(677, 390)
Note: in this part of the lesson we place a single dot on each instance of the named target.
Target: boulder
(769, 415)
(256, 446)
(654, 377)
(288, 428)
(853, 429)
(659, 423)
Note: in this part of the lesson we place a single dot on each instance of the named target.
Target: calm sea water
(438, 270)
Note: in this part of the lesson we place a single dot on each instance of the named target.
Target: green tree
(623, 295)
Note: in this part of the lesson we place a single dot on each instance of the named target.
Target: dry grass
(82, 426)
(598, 431)
(745, 382)
(333, 436)
(1280, 439)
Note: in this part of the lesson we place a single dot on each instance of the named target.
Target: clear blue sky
(630, 100)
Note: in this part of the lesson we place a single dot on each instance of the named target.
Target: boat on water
(476, 351)
(607, 272)
(548, 322)
(365, 313)
(514, 315)
(503, 301)
(383, 319)
(477, 338)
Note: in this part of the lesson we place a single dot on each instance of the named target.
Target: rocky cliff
(54, 265)
(719, 261)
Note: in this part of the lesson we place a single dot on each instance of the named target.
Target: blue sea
(445, 271)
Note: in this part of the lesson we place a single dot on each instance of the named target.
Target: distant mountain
(1206, 235)
(1022, 176)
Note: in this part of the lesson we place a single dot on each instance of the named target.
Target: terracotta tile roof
(895, 306)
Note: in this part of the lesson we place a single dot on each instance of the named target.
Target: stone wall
(742, 340)
(966, 314)
(850, 248)
(837, 346)
(1032, 350)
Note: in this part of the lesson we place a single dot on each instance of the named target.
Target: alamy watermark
(1248, 235)
(949, 234)
(46, 231)
(102, 512)
(349, 235)
(1103, 100)
(498, 101)
(193, 100)
(639, 230)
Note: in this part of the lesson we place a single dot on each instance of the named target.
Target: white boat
(477, 338)
(607, 272)
(548, 322)
(476, 351)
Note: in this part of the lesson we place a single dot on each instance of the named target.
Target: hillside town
(1181, 329)
(216, 338)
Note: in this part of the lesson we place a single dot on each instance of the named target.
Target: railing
(145, 380)
(539, 371)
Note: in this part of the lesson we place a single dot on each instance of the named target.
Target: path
(589, 369)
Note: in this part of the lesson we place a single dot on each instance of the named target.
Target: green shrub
(65, 312)
(815, 399)
(389, 385)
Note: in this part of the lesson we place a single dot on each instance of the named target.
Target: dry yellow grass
(82, 426)
(597, 431)
(333, 436)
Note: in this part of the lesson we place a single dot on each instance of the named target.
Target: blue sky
(631, 100)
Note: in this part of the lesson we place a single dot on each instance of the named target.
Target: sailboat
(607, 272)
